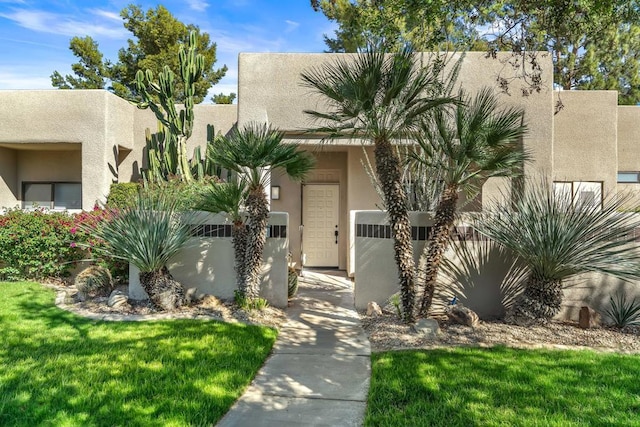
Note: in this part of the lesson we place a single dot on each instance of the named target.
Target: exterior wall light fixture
(275, 192)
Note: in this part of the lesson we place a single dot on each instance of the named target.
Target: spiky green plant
(254, 152)
(380, 98)
(557, 240)
(229, 198)
(623, 311)
(178, 125)
(478, 141)
(148, 235)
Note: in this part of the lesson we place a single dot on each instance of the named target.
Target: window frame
(52, 202)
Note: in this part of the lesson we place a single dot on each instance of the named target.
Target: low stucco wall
(207, 264)
(484, 276)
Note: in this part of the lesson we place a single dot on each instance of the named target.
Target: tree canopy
(157, 36)
(594, 44)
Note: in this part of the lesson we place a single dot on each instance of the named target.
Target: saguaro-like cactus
(159, 97)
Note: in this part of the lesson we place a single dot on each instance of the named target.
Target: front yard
(59, 369)
(503, 387)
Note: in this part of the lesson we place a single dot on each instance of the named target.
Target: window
(579, 193)
(52, 195)
(629, 177)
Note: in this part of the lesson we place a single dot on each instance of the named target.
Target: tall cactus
(159, 97)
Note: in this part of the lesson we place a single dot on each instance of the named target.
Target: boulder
(117, 299)
(428, 327)
(191, 296)
(373, 309)
(589, 318)
(460, 314)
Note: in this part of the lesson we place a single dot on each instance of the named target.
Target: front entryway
(320, 219)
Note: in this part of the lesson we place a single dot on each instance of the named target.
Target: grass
(58, 369)
(503, 387)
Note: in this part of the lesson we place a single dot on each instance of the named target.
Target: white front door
(320, 213)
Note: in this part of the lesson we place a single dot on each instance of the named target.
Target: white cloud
(14, 80)
(53, 23)
(106, 14)
(291, 25)
(199, 5)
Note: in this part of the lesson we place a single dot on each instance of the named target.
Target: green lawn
(503, 387)
(57, 369)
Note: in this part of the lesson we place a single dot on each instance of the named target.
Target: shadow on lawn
(57, 368)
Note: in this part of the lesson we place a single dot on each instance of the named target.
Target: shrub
(624, 312)
(187, 196)
(249, 304)
(94, 281)
(37, 244)
(122, 195)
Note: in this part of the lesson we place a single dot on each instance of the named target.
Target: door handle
(335, 233)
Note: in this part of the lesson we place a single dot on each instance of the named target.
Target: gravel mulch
(387, 332)
(209, 307)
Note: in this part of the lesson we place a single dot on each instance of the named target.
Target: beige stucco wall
(9, 192)
(37, 165)
(628, 153)
(207, 264)
(585, 139)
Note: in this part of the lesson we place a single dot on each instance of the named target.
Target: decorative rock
(589, 318)
(191, 296)
(117, 299)
(373, 309)
(462, 315)
(428, 327)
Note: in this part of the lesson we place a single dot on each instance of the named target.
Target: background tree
(557, 240)
(478, 141)
(157, 39)
(221, 98)
(381, 99)
(254, 152)
(90, 73)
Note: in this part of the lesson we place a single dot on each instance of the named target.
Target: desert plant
(481, 140)
(230, 198)
(292, 282)
(622, 311)
(556, 240)
(249, 304)
(148, 235)
(382, 99)
(122, 195)
(254, 152)
(94, 281)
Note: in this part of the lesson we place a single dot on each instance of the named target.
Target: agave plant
(557, 240)
(229, 198)
(148, 235)
(623, 312)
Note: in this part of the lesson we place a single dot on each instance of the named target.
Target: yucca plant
(148, 235)
(623, 312)
(230, 198)
(254, 152)
(477, 141)
(382, 99)
(557, 239)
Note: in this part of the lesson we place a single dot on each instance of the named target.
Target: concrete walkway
(318, 373)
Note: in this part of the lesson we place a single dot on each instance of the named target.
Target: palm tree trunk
(538, 303)
(258, 215)
(389, 175)
(438, 242)
(239, 241)
(164, 292)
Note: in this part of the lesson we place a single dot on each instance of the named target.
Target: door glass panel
(67, 196)
(37, 195)
(562, 191)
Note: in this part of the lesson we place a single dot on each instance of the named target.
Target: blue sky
(34, 35)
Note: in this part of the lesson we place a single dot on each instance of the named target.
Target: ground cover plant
(62, 370)
(503, 387)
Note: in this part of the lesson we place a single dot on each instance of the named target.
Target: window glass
(67, 196)
(588, 194)
(37, 195)
(563, 191)
(628, 177)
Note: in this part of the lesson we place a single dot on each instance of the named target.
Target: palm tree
(557, 240)
(478, 142)
(382, 99)
(254, 152)
(148, 235)
(230, 197)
